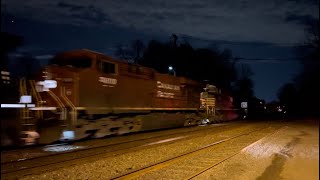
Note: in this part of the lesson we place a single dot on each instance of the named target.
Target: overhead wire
(276, 60)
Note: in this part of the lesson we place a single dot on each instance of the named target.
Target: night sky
(264, 33)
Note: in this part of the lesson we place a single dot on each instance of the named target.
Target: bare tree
(124, 52)
(174, 39)
(246, 71)
(137, 47)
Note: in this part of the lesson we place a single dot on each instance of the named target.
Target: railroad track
(191, 170)
(101, 146)
(36, 166)
(26, 166)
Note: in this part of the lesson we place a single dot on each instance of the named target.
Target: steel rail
(158, 165)
(23, 168)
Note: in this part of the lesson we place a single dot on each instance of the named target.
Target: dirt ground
(290, 153)
(290, 150)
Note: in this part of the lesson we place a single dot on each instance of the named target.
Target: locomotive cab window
(107, 67)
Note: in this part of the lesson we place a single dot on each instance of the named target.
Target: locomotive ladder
(63, 115)
(73, 112)
(26, 117)
(35, 93)
(210, 106)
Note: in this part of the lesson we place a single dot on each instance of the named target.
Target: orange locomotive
(99, 84)
(95, 95)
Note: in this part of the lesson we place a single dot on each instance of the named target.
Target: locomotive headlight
(25, 99)
(50, 84)
(67, 135)
(46, 85)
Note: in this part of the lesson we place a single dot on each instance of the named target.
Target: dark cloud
(243, 20)
(313, 2)
(245, 44)
(71, 7)
(136, 14)
(47, 38)
(94, 16)
(195, 5)
(300, 19)
(85, 13)
(244, 4)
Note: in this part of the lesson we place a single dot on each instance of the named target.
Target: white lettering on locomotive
(68, 92)
(106, 80)
(167, 86)
(165, 94)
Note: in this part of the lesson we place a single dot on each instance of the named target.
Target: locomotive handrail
(24, 112)
(72, 106)
(138, 108)
(38, 98)
(61, 105)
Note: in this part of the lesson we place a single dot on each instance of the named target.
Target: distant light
(244, 104)
(5, 73)
(5, 77)
(25, 99)
(170, 68)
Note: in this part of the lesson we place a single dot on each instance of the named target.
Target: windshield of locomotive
(76, 62)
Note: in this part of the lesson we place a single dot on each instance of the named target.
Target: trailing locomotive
(85, 93)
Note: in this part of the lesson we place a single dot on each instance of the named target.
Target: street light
(170, 68)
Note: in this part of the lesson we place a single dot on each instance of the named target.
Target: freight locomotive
(83, 93)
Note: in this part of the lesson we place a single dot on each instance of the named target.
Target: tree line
(302, 95)
(208, 65)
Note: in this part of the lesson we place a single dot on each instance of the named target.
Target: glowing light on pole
(170, 68)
